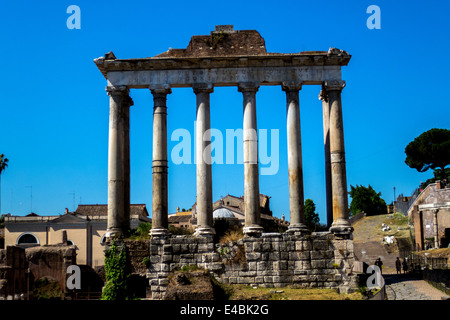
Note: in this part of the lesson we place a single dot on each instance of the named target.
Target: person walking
(398, 265)
(405, 265)
(379, 264)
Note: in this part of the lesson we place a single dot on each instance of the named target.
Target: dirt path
(367, 236)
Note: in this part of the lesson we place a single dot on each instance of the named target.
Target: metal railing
(420, 262)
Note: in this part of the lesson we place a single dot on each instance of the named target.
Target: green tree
(430, 150)
(311, 216)
(366, 199)
(3, 164)
(437, 174)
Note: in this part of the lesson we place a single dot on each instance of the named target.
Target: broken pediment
(223, 41)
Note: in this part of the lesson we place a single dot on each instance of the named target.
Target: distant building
(183, 219)
(85, 229)
(230, 208)
(432, 228)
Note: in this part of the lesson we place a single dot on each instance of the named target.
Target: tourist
(379, 264)
(398, 265)
(405, 265)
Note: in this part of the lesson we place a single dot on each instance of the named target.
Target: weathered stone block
(261, 265)
(280, 265)
(155, 259)
(317, 255)
(258, 280)
(176, 248)
(187, 256)
(153, 249)
(290, 245)
(232, 280)
(252, 256)
(257, 246)
(274, 256)
(320, 245)
(307, 245)
(184, 248)
(282, 279)
(166, 258)
(165, 267)
(318, 264)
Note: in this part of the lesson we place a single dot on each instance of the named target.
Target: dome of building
(221, 213)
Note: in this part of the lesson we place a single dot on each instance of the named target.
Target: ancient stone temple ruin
(227, 57)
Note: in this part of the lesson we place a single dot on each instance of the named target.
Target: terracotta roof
(102, 210)
(174, 219)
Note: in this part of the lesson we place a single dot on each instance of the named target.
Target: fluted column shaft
(118, 161)
(159, 163)
(341, 225)
(295, 166)
(205, 225)
(326, 137)
(251, 172)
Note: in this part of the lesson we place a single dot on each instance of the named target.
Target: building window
(27, 238)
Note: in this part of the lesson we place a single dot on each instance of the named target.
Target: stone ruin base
(319, 260)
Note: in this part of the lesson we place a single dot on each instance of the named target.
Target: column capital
(160, 89)
(334, 85)
(248, 86)
(291, 86)
(323, 95)
(203, 87)
(119, 91)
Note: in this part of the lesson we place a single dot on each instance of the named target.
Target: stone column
(159, 164)
(435, 228)
(341, 225)
(295, 166)
(251, 172)
(118, 161)
(205, 224)
(326, 137)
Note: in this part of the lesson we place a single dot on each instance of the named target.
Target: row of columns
(119, 162)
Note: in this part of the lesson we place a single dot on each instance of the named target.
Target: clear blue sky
(54, 109)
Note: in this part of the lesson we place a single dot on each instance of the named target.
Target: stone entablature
(273, 260)
(222, 71)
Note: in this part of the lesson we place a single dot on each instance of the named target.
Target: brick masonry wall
(272, 260)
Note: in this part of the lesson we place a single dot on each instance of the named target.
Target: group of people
(398, 265)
